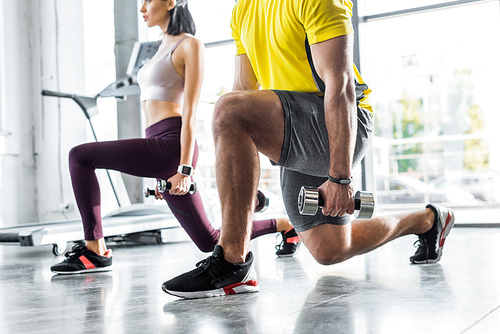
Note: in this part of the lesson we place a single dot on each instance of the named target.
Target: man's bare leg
(244, 124)
(331, 244)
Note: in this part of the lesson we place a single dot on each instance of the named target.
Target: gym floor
(380, 292)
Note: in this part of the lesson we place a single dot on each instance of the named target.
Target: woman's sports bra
(158, 78)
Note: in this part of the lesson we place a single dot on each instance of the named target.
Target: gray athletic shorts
(305, 157)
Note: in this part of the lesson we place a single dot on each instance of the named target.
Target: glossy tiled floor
(376, 293)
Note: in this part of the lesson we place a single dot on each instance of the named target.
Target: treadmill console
(141, 54)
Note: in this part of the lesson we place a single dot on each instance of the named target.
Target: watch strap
(340, 180)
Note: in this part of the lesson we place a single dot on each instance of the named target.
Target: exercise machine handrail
(80, 101)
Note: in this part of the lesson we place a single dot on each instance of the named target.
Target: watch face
(346, 181)
(185, 170)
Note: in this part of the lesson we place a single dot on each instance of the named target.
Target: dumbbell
(149, 192)
(262, 202)
(164, 186)
(310, 200)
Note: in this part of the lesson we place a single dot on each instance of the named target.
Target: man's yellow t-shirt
(276, 34)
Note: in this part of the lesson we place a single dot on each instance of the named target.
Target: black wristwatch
(340, 180)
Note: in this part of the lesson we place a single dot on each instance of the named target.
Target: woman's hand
(158, 194)
(180, 184)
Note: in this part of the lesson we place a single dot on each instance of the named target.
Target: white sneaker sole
(247, 287)
(248, 284)
(84, 271)
(449, 222)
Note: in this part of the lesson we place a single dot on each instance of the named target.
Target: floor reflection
(228, 314)
(338, 304)
(85, 295)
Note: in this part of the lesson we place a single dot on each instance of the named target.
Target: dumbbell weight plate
(262, 202)
(364, 211)
(309, 201)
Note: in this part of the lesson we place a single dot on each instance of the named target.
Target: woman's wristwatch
(185, 170)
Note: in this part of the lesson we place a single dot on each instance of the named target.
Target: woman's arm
(192, 52)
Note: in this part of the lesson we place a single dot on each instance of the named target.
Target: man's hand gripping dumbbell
(310, 200)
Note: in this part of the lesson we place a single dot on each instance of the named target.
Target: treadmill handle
(56, 94)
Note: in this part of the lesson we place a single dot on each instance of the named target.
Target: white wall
(42, 48)
(17, 175)
(59, 123)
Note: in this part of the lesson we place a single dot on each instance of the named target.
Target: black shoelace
(282, 243)
(76, 250)
(427, 239)
(214, 267)
(420, 243)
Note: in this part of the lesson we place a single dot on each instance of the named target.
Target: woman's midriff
(155, 110)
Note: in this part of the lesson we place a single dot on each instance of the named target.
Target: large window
(380, 8)
(432, 66)
(432, 73)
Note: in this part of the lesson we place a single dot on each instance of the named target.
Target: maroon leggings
(156, 156)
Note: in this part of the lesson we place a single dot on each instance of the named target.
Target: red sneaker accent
(441, 239)
(108, 253)
(86, 262)
(293, 240)
(229, 289)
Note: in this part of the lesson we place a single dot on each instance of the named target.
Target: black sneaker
(289, 244)
(431, 243)
(82, 260)
(214, 277)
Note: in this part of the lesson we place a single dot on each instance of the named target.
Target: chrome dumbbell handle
(164, 186)
(310, 201)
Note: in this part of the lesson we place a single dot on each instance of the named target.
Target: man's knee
(227, 112)
(327, 259)
(328, 252)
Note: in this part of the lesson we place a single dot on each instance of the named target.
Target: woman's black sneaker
(289, 244)
(82, 260)
(214, 277)
(431, 243)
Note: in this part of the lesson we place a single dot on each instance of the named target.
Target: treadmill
(130, 222)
